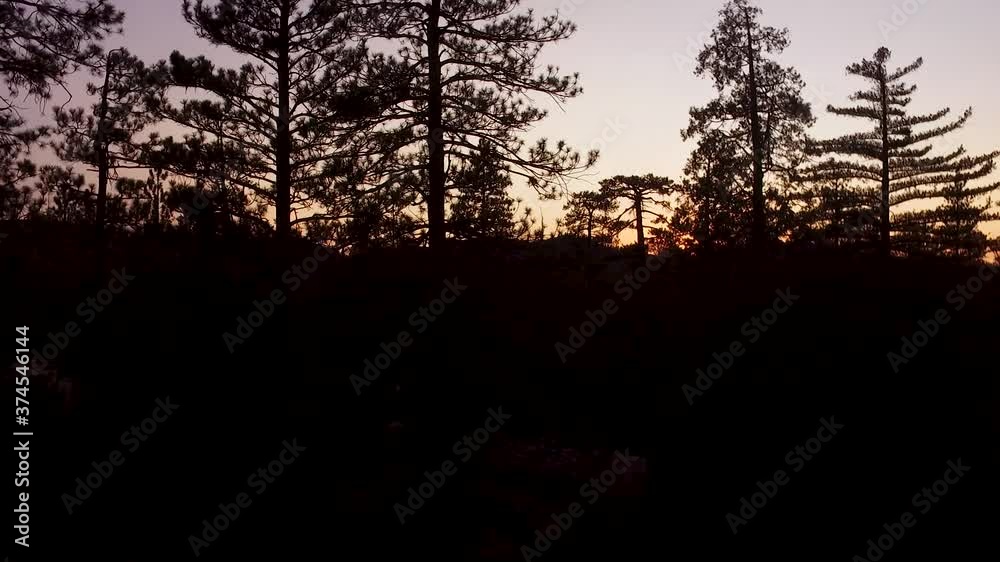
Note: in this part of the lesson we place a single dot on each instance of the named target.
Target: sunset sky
(634, 60)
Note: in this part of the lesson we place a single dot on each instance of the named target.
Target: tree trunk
(884, 224)
(435, 132)
(759, 225)
(640, 230)
(590, 228)
(102, 150)
(283, 140)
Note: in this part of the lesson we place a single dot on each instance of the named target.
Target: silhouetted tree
(43, 42)
(952, 229)
(711, 201)
(277, 114)
(591, 214)
(105, 137)
(148, 208)
(482, 206)
(65, 196)
(759, 107)
(895, 156)
(461, 80)
(15, 167)
(380, 218)
(834, 214)
(644, 193)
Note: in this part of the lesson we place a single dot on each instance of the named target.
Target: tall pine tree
(105, 137)
(891, 163)
(461, 79)
(759, 107)
(278, 112)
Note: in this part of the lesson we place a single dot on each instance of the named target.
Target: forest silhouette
(320, 252)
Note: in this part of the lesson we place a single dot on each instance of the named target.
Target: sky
(635, 63)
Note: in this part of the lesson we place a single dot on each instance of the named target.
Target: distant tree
(709, 213)
(892, 163)
(643, 193)
(462, 79)
(105, 137)
(148, 208)
(277, 114)
(387, 217)
(482, 206)
(65, 195)
(16, 167)
(834, 214)
(951, 230)
(591, 214)
(760, 108)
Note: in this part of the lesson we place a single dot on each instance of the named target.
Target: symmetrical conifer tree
(951, 230)
(892, 164)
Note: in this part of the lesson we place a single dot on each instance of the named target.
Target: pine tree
(643, 193)
(759, 107)
(15, 168)
(482, 206)
(44, 41)
(278, 113)
(710, 212)
(461, 78)
(951, 230)
(65, 196)
(591, 214)
(105, 137)
(891, 163)
(833, 214)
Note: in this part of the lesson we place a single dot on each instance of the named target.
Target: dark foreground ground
(824, 359)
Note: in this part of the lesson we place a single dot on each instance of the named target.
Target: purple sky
(633, 59)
